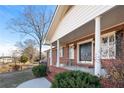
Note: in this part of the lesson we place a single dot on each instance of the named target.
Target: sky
(8, 38)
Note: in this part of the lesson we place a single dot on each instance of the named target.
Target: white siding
(77, 16)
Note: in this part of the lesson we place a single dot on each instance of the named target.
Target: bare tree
(15, 55)
(34, 22)
(28, 48)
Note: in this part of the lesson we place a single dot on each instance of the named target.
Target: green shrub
(75, 79)
(23, 59)
(40, 70)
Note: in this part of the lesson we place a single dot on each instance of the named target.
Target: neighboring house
(6, 59)
(86, 37)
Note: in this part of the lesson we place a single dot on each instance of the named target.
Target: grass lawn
(13, 79)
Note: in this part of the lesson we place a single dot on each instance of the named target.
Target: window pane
(111, 52)
(111, 39)
(108, 47)
(85, 52)
(104, 51)
(111, 46)
(105, 40)
(71, 53)
(61, 52)
(104, 47)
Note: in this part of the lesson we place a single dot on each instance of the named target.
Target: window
(85, 52)
(108, 47)
(62, 52)
(71, 52)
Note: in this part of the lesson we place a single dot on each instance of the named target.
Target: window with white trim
(85, 52)
(62, 52)
(71, 52)
(108, 49)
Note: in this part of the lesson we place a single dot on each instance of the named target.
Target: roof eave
(52, 20)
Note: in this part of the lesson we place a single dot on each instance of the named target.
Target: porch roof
(111, 20)
(59, 13)
(59, 28)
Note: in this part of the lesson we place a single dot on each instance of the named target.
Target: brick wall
(56, 69)
(104, 62)
(64, 59)
(53, 71)
(118, 63)
(54, 57)
(120, 52)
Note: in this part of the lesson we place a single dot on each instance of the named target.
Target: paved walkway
(36, 83)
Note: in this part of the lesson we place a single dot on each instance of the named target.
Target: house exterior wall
(105, 62)
(54, 56)
(65, 57)
(6, 60)
(80, 16)
(120, 55)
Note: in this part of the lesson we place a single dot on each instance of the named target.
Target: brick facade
(65, 57)
(66, 50)
(54, 56)
(106, 63)
(119, 51)
(53, 71)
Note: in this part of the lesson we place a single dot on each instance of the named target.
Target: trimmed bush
(75, 79)
(40, 70)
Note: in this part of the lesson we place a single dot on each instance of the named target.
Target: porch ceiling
(113, 17)
(80, 32)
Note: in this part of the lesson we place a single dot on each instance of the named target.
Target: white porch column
(57, 64)
(97, 47)
(51, 54)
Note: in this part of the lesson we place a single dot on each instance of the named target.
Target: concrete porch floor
(85, 69)
(36, 83)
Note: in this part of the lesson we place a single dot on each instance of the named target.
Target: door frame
(83, 42)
